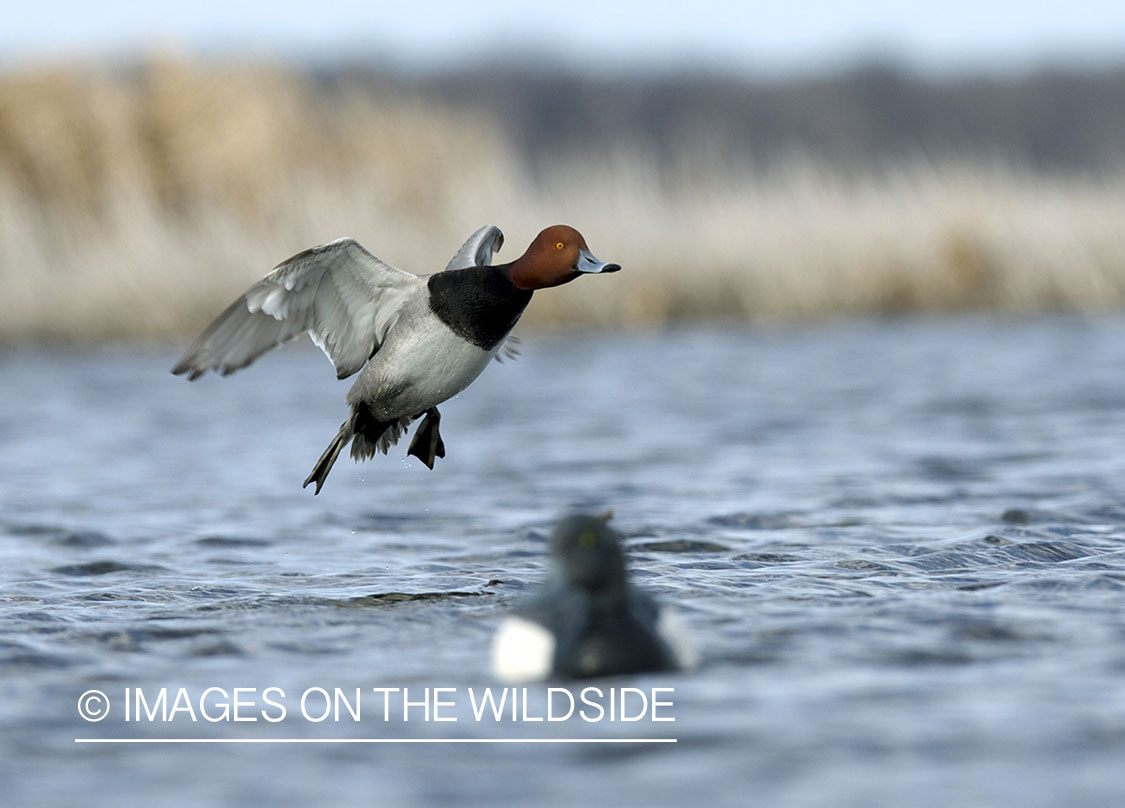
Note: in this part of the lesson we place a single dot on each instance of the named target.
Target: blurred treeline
(136, 200)
(870, 114)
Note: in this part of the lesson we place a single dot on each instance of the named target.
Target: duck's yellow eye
(559, 245)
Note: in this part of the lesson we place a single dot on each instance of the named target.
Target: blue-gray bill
(589, 264)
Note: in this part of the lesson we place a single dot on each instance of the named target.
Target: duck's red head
(558, 255)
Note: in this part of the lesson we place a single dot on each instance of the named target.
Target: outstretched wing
(342, 295)
(477, 250)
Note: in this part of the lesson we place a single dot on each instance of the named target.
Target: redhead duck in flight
(416, 341)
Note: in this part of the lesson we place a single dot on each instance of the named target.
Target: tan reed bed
(136, 203)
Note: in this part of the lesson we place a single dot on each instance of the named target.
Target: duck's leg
(427, 443)
(324, 465)
(365, 428)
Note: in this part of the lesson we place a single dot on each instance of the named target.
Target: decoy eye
(559, 245)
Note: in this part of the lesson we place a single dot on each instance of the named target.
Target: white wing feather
(342, 295)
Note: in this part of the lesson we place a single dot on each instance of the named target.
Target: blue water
(899, 547)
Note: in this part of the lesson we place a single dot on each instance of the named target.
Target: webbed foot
(427, 443)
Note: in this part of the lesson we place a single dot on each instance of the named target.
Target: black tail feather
(373, 435)
(369, 435)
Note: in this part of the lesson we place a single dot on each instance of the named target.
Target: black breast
(480, 304)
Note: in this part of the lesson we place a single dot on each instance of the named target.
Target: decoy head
(587, 551)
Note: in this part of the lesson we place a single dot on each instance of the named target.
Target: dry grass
(136, 205)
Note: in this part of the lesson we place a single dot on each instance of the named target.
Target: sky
(761, 37)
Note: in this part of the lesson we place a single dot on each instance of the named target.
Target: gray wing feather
(478, 249)
(342, 295)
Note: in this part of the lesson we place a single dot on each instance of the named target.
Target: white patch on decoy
(522, 651)
(673, 629)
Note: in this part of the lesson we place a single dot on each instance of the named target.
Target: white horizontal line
(376, 740)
